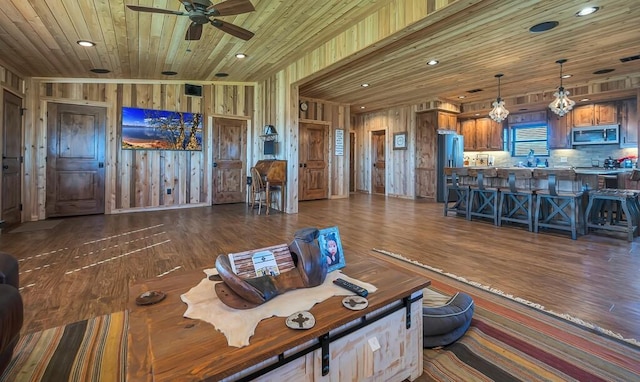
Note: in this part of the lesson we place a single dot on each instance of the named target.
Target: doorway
(11, 158)
(313, 161)
(229, 160)
(75, 160)
(378, 163)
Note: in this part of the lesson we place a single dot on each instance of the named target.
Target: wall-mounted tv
(147, 129)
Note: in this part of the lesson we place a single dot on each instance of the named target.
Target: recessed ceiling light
(543, 27)
(603, 71)
(477, 114)
(169, 73)
(240, 55)
(587, 11)
(101, 71)
(433, 62)
(85, 43)
(362, 107)
(584, 99)
(522, 109)
(365, 85)
(221, 74)
(462, 97)
(567, 75)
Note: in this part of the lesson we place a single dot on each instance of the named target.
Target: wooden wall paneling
(112, 145)
(31, 152)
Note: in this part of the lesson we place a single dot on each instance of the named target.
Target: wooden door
(379, 168)
(229, 163)
(11, 158)
(629, 123)
(352, 162)
(75, 160)
(313, 162)
(426, 154)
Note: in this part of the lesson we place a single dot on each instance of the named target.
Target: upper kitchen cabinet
(482, 134)
(629, 123)
(559, 130)
(447, 121)
(596, 114)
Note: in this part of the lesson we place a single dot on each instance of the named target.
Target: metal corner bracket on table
(325, 339)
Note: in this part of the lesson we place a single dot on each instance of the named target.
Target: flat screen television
(147, 129)
(269, 148)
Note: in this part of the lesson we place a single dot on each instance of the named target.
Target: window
(529, 137)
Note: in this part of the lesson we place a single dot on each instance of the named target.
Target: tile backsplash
(582, 156)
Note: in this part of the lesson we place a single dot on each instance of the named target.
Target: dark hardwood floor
(83, 266)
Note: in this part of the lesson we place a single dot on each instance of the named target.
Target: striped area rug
(513, 341)
(84, 351)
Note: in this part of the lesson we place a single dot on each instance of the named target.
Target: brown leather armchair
(11, 308)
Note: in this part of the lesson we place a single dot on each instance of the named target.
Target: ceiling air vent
(474, 90)
(630, 58)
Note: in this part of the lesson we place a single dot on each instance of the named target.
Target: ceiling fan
(200, 12)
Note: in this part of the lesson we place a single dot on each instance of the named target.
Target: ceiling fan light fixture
(562, 104)
(499, 112)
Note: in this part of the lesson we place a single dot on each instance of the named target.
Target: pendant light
(499, 112)
(562, 104)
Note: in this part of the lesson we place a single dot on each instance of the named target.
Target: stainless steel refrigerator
(450, 152)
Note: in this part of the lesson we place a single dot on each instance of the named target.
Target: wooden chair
(456, 195)
(483, 200)
(258, 190)
(516, 201)
(558, 209)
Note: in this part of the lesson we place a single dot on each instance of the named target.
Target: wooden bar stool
(516, 202)
(556, 209)
(613, 210)
(456, 195)
(483, 200)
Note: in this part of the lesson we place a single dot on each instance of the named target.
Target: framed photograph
(331, 248)
(147, 129)
(400, 141)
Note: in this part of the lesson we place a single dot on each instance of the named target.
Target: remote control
(360, 291)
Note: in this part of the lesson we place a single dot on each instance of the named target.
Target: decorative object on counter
(499, 113)
(247, 293)
(530, 158)
(301, 320)
(562, 104)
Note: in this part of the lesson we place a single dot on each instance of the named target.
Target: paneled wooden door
(75, 160)
(11, 158)
(229, 160)
(352, 162)
(378, 162)
(313, 161)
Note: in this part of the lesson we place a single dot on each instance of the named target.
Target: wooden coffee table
(376, 343)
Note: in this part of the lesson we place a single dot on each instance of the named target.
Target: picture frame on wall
(400, 141)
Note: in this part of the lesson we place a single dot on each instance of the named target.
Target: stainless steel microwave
(595, 135)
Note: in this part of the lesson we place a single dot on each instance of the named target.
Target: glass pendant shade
(499, 113)
(562, 104)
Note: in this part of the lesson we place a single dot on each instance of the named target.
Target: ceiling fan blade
(188, 4)
(194, 32)
(233, 30)
(230, 7)
(154, 10)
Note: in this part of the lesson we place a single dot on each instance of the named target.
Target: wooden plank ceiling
(480, 39)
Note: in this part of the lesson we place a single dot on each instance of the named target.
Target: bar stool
(556, 209)
(614, 210)
(456, 192)
(483, 200)
(516, 202)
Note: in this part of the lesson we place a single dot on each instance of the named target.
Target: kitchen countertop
(601, 171)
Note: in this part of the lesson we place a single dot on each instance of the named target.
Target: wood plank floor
(83, 266)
